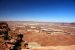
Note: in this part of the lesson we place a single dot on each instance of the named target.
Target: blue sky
(37, 10)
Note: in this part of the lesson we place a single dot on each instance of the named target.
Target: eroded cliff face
(4, 29)
(41, 40)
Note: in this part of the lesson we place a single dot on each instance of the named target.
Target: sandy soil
(53, 48)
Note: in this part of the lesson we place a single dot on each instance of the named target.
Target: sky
(37, 10)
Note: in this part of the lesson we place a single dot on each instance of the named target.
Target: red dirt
(48, 40)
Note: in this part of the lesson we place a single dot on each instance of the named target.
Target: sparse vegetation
(53, 35)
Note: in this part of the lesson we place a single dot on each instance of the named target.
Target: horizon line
(32, 21)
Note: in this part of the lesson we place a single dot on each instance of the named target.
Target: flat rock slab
(53, 48)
